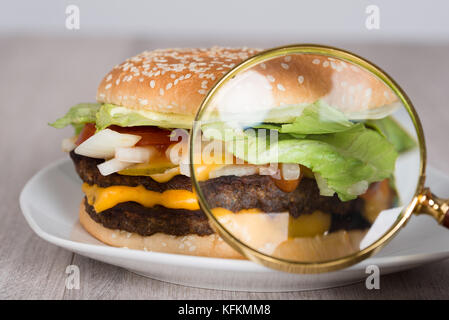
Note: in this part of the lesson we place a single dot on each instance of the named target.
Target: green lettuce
(348, 161)
(78, 116)
(110, 114)
(104, 115)
(318, 118)
(393, 131)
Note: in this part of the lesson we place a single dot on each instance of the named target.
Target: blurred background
(53, 54)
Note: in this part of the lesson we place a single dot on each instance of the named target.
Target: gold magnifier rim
(322, 266)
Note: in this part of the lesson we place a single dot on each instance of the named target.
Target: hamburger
(130, 150)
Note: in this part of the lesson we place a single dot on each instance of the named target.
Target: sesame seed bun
(175, 81)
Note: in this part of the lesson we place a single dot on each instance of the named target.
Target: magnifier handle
(437, 207)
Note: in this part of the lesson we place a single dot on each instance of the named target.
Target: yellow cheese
(104, 198)
(219, 212)
(309, 225)
(306, 225)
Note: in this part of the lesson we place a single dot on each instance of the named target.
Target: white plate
(50, 200)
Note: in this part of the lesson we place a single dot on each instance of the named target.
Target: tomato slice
(88, 131)
(150, 135)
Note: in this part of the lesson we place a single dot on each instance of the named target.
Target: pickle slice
(147, 169)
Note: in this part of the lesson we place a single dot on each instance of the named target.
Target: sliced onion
(290, 171)
(102, 144)
(68, 144)
(325, 190)
(268, 170)
(184, 169)
(135, 154)
(113, 165)
(178, 152)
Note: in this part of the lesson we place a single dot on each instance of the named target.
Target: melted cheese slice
(105, 198)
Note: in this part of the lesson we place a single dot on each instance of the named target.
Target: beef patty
(133, 217)
(232, 192)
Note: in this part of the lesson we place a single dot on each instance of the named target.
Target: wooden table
(41, 77)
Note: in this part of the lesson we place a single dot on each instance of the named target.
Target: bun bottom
(208, 246)
(319, 248)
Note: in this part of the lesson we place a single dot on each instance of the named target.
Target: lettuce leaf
(77, 116)
(348, 161)
(104, 115)
(110, 114)
(394, 132)
(318, 118)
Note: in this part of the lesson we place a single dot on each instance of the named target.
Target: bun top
(176, 81)
(169, 80)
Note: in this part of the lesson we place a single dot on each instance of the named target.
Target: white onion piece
(184, 169)
(135, 154)
(102, 144)
(268, 170)
(68, 144)
(113, 165)
(178, 152)
(290, 171)
(234, 170)
(325, 190)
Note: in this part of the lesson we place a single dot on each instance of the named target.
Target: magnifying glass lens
(303, 157)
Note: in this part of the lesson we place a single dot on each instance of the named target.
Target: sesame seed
(108, 86)
(270, 78)
(280, 87)
(300, 79)
(187, 76)
(288, 58)
(161, 91)
(202, 91)
(316, 61)
(368, 92)
(109, 77)
(172, 76)
(168, 86)
(326, 64)
(285, 66)
(263, 65)
(152, 83)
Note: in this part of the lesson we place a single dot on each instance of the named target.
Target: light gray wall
(290, 21)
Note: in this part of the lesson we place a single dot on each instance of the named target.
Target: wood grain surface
(41, 77)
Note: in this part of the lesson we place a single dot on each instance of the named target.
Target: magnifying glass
(309, 159)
